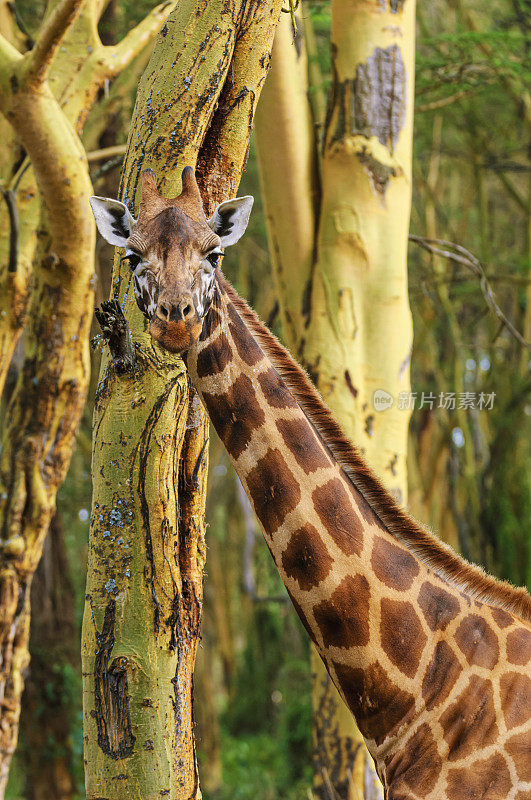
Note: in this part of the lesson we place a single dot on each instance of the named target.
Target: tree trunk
(351, 324)
(77, 72)
(147, 549)
(49, 395)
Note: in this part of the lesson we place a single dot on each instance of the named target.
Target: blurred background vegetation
(469, 468)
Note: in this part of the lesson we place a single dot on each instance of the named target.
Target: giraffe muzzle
(176, 326)
(182, 311)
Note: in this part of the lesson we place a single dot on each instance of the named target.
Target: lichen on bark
(195, 103)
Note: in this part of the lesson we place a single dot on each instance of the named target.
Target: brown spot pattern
(519, 748)
(274, 490)
(515, 697)
(306, 558)
(235, 415)
(334, 509)
(401, 635)
(248, 348)
(519, 647)
(441, 675)
(489, 778)
(470, 722)
(378, 704)
(301, 439)
(393, 565)
(477, 641)
(416, 766)
(502, 618)
(438, 606)
(214, 357)
(344, 619)
(275, 391)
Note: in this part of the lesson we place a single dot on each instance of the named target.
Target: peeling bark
(373, 102)
(111, 696)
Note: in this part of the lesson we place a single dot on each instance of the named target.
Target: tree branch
(51, 34)
(463, 256)
(117, 57)
(106, 152)
(9, 56)
(444, 101)
(14, 224)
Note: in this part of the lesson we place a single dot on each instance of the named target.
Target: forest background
(468, 466)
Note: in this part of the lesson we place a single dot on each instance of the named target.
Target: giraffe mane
(435, 554)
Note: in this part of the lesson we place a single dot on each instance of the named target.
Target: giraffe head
(173, 251)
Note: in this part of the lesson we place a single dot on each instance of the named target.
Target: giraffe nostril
(187, 310)
(164, 312)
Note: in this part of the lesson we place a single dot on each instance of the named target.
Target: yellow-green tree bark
(354, 334)
(78, 71)
(195, 104)
(49, 395)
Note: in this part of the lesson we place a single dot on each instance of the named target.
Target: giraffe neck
(378, 615)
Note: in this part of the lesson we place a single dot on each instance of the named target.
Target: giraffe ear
(230, 219)
(114, 220)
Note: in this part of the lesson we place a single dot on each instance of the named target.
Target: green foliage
(266, 744)
(256, 766)
(471, 185)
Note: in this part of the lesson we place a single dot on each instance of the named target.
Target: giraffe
(431, 655)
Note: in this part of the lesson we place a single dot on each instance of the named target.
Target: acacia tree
(195, 106)
(75, 74)
(338, 216)
(47, 248)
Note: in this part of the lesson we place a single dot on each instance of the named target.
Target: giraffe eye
(213, 258)
(134, 259)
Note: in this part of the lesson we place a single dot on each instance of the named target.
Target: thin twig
(445, 101)
(10, 196)
(14, 228)
(465, 257)
(106, 152)
(107, 167)
(21, 174)
(516, 280)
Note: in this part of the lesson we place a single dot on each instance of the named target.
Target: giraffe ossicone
(432, 656)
